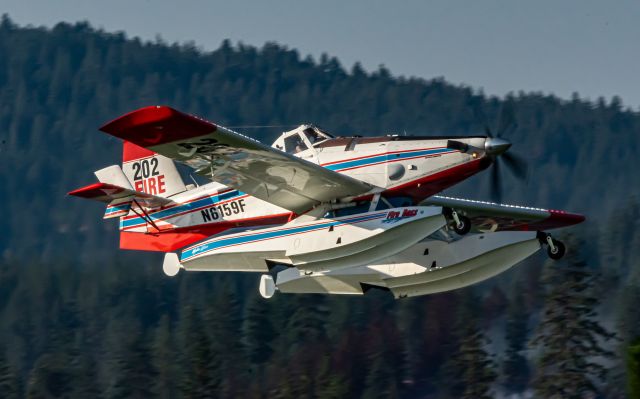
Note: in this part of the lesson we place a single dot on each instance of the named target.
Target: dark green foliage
(130, 362)
(633, 370)
(515, 368)
(309, 319)
(470, 372)
(384, 360)
(259, 332)
(164, 360)
(78, 318)
(224, 321)
(50, 377)
(9, 383)
(571, 340)
(201, 374)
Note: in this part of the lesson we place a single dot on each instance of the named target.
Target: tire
(559, 252)
(465, 225)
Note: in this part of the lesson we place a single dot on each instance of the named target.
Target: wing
(234, 160)
(488, 216)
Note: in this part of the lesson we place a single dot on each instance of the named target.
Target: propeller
(496, 148)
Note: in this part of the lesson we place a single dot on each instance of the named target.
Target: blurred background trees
(80, 318)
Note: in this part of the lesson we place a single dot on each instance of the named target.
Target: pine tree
(85, 373)
(380, 382)
(309, 320)
(9, 383)
(515, 367)
(163, 360)
(330, 384)
(568, 337)
(134, 374)
(633, 370)
(200, 367)
(628, 315)
(224, 319)
(50, 377)
(258, 331)
(384, 359)
(470, 371)
(479, 374)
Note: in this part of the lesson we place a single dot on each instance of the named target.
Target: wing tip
(156, 124)
(117, 124)
(87, 191)
(562, 218)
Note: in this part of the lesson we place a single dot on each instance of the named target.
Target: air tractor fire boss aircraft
(315, 213)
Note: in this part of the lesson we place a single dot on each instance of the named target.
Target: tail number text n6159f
(220, 210)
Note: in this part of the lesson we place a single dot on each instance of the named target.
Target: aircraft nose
(496, 146)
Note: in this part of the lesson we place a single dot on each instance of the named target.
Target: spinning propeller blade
(516, 164)
(496, 147)
(496, 184)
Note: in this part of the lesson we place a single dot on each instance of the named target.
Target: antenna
(258, 126)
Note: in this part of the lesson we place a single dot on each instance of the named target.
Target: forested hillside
(80, 318)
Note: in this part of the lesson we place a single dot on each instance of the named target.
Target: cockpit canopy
(300, 139)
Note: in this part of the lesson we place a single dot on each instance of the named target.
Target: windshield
(294, 144)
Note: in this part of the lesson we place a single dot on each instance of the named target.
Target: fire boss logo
(147, 178)
(395, 216)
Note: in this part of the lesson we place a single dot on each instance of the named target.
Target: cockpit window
(324, 133)
(315, 135)
(294, 144)
(312, 136)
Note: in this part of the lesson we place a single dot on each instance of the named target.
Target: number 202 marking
(145, 168)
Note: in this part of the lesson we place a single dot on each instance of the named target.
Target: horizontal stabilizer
(107, 193)
(113, 175)
(117, 208)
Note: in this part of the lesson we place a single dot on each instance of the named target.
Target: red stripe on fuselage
(426, 186)
(168, 241)
(394, 160)
(379, 154)
(181, 213)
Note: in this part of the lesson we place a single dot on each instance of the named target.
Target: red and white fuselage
(399, 167)
(315, 213)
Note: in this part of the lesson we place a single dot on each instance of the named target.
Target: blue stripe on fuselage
(223, 242)
(235, 193)
(203, 202)
(385, 158)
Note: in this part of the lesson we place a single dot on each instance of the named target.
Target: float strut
(456, 219)
(550, 242)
